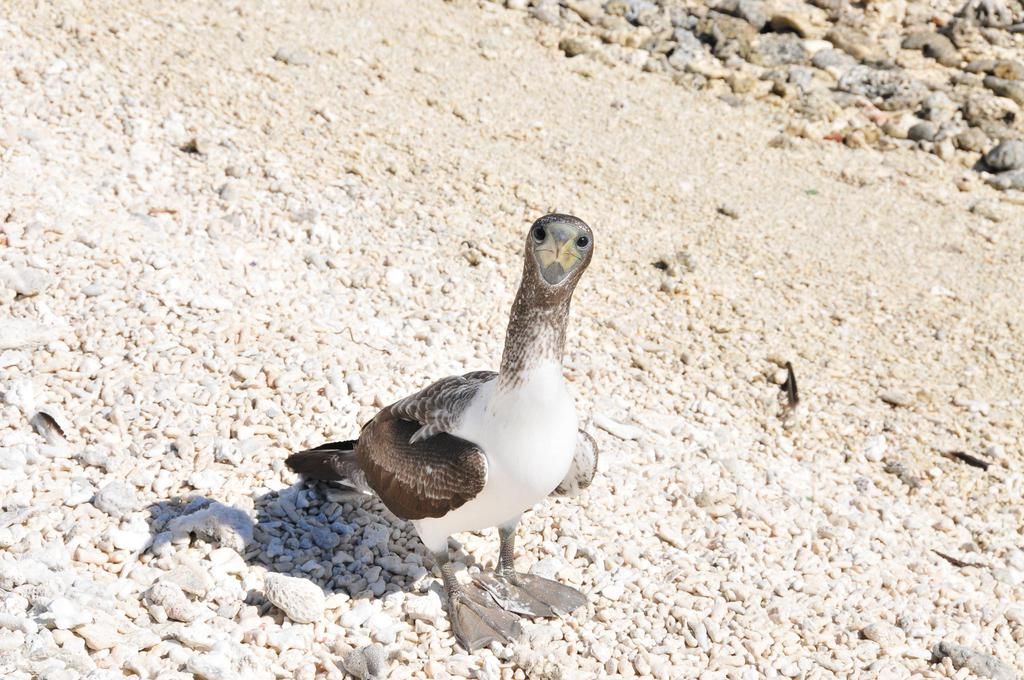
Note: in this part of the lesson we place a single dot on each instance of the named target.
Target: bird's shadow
(340, 540)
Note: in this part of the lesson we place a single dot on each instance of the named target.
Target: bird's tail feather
(334, 461)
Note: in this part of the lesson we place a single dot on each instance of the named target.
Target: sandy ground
(346, 225)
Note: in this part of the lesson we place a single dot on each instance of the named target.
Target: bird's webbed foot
(476, 622)
(530, 595)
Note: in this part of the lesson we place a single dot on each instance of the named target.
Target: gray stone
(834, 61)
(777, 49)
(938, 108)
(116, 498)
(985, 665)
(750, 11)
(367, 663)
(1011, 179)
(889, 90)
(1011, 89)
(688, 49)
(325, 539)
(1008, 155)
(933, 45)
(923, 131)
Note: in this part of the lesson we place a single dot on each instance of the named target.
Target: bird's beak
(559, 255)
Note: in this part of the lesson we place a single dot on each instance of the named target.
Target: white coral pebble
(166, 600)
(302, 601)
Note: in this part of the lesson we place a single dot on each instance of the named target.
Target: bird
(477, 450)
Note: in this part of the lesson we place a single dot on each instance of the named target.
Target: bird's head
(558, 250)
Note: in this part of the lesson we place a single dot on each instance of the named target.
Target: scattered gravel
(185, 339)
(851, 72)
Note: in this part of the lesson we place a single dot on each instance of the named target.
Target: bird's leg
(475, 620)
(526, 594)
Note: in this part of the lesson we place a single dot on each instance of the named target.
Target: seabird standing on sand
(477, 450)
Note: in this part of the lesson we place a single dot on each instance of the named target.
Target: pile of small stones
(946, 79)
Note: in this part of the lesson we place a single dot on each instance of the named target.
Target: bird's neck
(535, 336)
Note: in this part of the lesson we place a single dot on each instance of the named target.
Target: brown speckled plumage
(540, 313)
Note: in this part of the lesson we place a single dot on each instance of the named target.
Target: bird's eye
(539, 234)
(582, 242)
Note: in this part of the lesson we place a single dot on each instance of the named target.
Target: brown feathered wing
(406, 455)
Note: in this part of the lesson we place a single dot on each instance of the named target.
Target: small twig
(789, 387)
(965, 457)
(366, 344)
(956, 561)
(161, 211)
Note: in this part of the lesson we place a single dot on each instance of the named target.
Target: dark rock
(923, 131)
(1008, 155)
(1011, 89)
(934, 46)
(888, 90)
